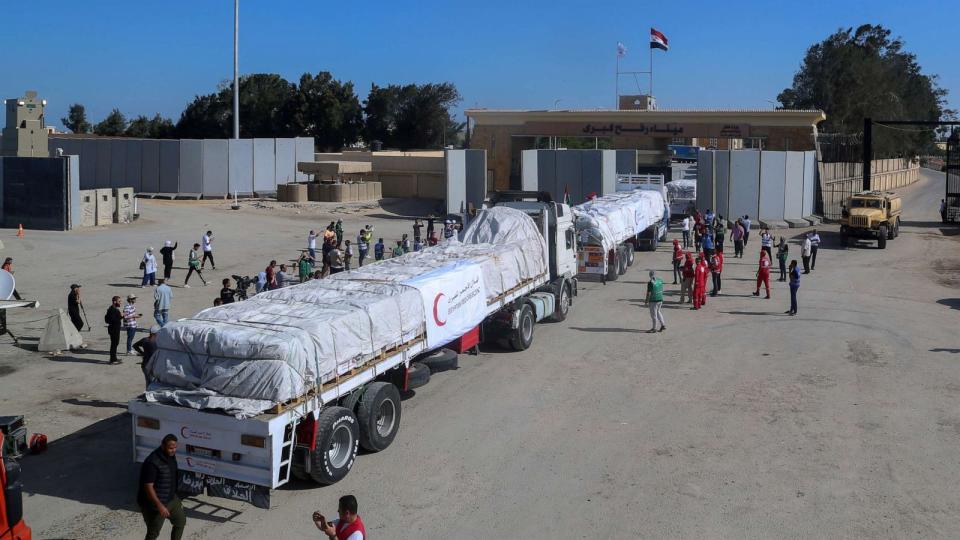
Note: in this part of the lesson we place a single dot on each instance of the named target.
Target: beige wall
(840, 180)
(419, 174)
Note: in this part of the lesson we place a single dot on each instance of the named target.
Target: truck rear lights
(253, 440)
(149, 423)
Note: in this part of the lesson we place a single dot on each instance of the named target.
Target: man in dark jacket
(74, 305)
(157, 490)
(166, 252)
(114, 319)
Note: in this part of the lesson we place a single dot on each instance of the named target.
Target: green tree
(206, 117)
(327, 110)
(412, 116)
(76, 119)
(151, 128)
(854, 74)
(112, 126)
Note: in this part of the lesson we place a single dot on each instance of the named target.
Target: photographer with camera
(227, 293)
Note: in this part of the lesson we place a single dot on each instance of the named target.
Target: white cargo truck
(611, 228)
(292, 382)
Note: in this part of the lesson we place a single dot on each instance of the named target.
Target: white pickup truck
(316, 435)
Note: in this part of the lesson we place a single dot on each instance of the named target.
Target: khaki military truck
(871, 214)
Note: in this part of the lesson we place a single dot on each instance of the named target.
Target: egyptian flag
(658, 40)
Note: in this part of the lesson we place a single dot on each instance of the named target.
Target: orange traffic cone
(20, 231)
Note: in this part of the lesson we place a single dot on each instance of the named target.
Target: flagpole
(651, 71)
(616, 83)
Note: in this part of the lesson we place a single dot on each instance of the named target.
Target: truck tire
(622, 262)
(896, 228)
(653, 241)
(882, 237)
(612, 269)
(379, 416)
(337, 441)
(630, 254)
(417, 375)
(522, 336)
(563, 303)
(439, 360)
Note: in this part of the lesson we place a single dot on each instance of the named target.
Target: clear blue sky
(148, 57)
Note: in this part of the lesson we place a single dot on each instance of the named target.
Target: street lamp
(236, 70)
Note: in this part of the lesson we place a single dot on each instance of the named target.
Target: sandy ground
(737, 422)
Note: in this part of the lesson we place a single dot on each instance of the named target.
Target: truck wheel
(892, 231)
(439, 360)
(896, 228)
(653, 241)
(563, 303)
(630, 254)
(622, 262)
(882, 237)
(417, 375)
(379, 416)
(522, 337)
(613, 271)
(336, 445)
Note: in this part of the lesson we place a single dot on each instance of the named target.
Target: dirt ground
(737, 422)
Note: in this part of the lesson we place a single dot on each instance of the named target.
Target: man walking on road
(74, 305)
(794, 286)
(363, 245)
(700, 284)
(766, 242)
(149, 264)
(312, 244)
(746, 230)
(162, 298)
(737, 236)
(207, 242)
(716, 268)
(720, 231)
(338, 230)
(763, 274)
(157, 493)
(805, 250)
(193, 265)
(114, 320)
(685, 229)
(814, 246)
(654, 299)
(130, 317)
(783, 251)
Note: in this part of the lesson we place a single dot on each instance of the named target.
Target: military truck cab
(871, 214)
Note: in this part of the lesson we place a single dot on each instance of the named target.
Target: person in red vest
(677, 260)
(716, 268)
(688, 274)
(348, 527)
(763, 273)
(700, 284)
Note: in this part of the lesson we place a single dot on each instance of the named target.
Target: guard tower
(25, 134)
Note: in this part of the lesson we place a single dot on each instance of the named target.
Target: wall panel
(191, 166)
(745, 183)
(133, 165)
(215, 167)
(286, 161)
(264, 166)
(102, 179)
(150, 165)
(721, 184)
(169, 166)
(793, 194)
(809, 181)
(118, 163)
(705, 178)
(773, 167)
(304, 152)
(240, 166)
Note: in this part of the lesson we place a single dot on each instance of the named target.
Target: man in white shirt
(207, 243)
(805, 250)
(312, 244)
(685, 227)
(814, 246)
(149, 268)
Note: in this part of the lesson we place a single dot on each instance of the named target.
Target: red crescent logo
(183, 432)
(436, 316)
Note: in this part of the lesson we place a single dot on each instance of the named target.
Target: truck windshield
(864, 203)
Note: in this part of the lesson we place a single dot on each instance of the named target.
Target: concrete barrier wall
(35, 192)
(124, 205)
(185, 166)
(838, 181)
(88, 208)
(106, 206)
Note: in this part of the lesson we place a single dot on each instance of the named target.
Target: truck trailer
(293, 381)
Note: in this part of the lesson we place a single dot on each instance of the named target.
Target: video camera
(243, 283)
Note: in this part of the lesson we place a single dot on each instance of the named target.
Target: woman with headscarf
(149, 265)
(783, 250)
(763, 273)
(166, 253)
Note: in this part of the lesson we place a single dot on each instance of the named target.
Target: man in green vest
(655, 301)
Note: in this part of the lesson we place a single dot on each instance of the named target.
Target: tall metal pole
(616, 84)
(651, 71)
(867, 151)
(236, 69)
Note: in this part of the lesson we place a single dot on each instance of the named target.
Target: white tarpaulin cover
(247, 356)
(682, 189)
(616, 217)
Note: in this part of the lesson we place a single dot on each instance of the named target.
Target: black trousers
(806, 264)
(677, 274)
(77, 321)
(769, 251)
(813, 257)
(167, 269)
(208, 255)
(738, 248)
(716, 283)
(114, 343)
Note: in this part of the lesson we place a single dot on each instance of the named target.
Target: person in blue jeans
(794, 285)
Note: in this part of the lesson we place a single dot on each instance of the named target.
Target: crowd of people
(706, 232)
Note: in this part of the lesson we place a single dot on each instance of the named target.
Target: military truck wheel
(882, 237)
(896, 228)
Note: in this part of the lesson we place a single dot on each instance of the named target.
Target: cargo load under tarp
(617, 217)
(682, 189)
(248, 356)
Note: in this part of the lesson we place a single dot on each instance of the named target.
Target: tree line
(861, 73)
(319, 106)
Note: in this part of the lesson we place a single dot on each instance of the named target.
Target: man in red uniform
(677, 260)
(716, 268)
(699, 284)
(763, 273)
(688, 275)
(348, 527)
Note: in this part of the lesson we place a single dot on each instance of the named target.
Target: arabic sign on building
(671, 130)
(623, 129)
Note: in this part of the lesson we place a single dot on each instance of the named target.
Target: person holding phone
(349, 526)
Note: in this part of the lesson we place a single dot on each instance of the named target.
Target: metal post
(236, 69)
(616, 85)
(867, 151)
(651, 71)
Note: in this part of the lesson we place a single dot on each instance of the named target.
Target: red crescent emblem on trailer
(436, 314)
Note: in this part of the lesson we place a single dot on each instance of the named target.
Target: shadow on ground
(952, 303)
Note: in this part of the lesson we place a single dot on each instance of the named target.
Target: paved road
(737, 422)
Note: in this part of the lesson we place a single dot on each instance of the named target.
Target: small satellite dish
(7, 284)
